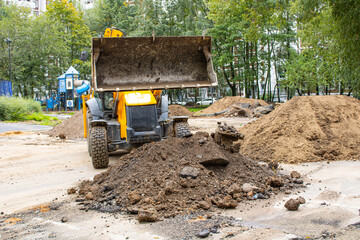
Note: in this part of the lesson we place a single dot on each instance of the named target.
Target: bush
(44, 119)
(16, 109)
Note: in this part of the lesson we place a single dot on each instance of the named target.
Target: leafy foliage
(17, 108)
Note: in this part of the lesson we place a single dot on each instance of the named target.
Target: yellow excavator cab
(113, 32)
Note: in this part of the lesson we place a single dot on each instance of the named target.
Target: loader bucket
(146, 63)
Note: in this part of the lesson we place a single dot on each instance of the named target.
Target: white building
(37, 7)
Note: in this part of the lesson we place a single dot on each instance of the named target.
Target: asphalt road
(5, 127)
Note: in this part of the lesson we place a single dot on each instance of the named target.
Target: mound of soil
(226, 102)
(178, 110)
(71, 128)
(178, 175)
(305, 129)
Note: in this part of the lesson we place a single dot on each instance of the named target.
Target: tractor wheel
(88, 128)
(99, 152)
(182, 130)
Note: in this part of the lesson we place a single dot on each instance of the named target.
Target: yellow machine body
(113, 32)
(134, 98)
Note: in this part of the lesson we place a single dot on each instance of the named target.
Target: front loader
(126, 107)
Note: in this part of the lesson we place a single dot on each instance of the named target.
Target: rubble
(163, 179)
(292, 205)
(239, 104)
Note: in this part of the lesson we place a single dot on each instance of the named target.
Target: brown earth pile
(174, 176)
(226, 102)
(71, 128)
(178, 110)
(305, 129)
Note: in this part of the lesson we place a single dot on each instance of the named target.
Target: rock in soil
(62, 136)
(189, 172)
(301, 200)
(148, 215)
(276, 182)
(292, 204)
(248, 187)
(203, 234)
(71, 191)
(227, 202)
(295, 174)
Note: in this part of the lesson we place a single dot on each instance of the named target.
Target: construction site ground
(36, 170)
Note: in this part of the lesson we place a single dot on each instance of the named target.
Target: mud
(226, 102)
(71, 128)
(150, 181)
(306, 129)
(178, 110)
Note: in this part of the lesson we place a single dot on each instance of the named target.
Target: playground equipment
(70, 90)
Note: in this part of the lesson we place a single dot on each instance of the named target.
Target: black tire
(182, 130)
(99, 152)
(88, 127)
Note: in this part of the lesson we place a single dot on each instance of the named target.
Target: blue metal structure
(6, 88)
(70, 89)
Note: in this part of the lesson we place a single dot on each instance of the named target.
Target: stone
(189, 172)
(62, 136)
(301, 200)
(276, 182)
(134, 197)
(201, 141)
(71, 191)
(64, 219)
(89, 196)
(295, 174)
(227, 202)
(298, 181)
(245, 105)
(203, 234)
(292, 205)
(234, 188)
(248, 187)
(148, 215)
(204, 205)
(170, 187)
(255, 104)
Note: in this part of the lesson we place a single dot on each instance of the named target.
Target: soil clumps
(224, 103)
(179, 175)
(71, 128)
(178, 110)
(306, 129)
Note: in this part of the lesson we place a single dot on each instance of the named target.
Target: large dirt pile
(304, 129)
(178, 110)
(178, 175)
(71, 128)
(226, 102)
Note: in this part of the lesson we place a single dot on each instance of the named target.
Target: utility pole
(8, 41)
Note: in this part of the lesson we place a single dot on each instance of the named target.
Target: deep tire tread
(99, 152)
(182, 130)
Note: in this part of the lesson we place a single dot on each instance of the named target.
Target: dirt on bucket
(305, 129)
